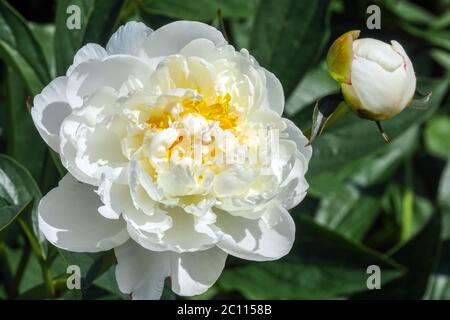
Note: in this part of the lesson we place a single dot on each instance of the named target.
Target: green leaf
(288, 35)
(97, 20)
(45, 34)
(23, 68)
(420, 256)
(438, 287)
(326, 111)
(23, 40)
(322, 265)
(381, 164)
(107, 281)
(67, 42)
(409, 11)
(102, 21)
(420, 100)
(200, 10)
(92, 265)
(439, 38)
(316, 84)
(348, 211)
(8, 213)
(439, 283)
(444, 187)
(442, 57)
(22, 138)
(437, 133)
(350, 199)
(17, 190)
(441, 22)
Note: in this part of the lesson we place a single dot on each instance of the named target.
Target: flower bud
(377, 79)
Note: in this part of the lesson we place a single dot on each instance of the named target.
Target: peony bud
(377, 79)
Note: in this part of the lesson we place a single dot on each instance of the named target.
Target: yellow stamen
(160, 121)
(216, 111)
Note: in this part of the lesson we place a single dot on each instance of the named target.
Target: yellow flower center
(218, 110)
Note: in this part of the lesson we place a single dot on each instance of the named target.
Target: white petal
(90, 51)
(232, 182)
(113, 71)
(83, 135)
(268, 238)
(179, 231)
(158, 222)
(275, 93)
(377, 51)
(50, 108)
(172, 37)
(84, 152)
(293, 189)
(202, 48)
(410, 86)
(296, 135)
(116, 197)
(380, 91)
(128, 39)
(194, 273)
(141, 272)
(69, 219)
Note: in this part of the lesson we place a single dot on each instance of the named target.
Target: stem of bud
(382, 132)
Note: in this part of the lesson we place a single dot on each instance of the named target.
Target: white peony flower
(152, 131)
(377, 79)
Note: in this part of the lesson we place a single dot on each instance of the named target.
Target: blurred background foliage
(370, 203)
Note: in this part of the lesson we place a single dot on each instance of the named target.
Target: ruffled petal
(268, 238)
(275, 93)
(90, 51)
(69, 219)
(180, 34)
(50, 108)
(128, 39)
(141, 273)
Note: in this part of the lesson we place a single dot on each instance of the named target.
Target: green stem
(222, 24)
(5, 271)
(24, 258)
(43, 174)
(407, 202)
(45, 265)
(383, 133)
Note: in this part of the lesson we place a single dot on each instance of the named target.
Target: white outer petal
(380, 91)
(410, 87)
(293, 189)
(84, 152)
(90, 51)
(69, 219)
(182, 233)
(141, 272)
(194, 273)
(113, 71)
(128, 39)
(382, 77)
(115, 196)
(268, 238)
(172, 37)
(50, 108)
(377, 51)
(275, 93)
(296, 135)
